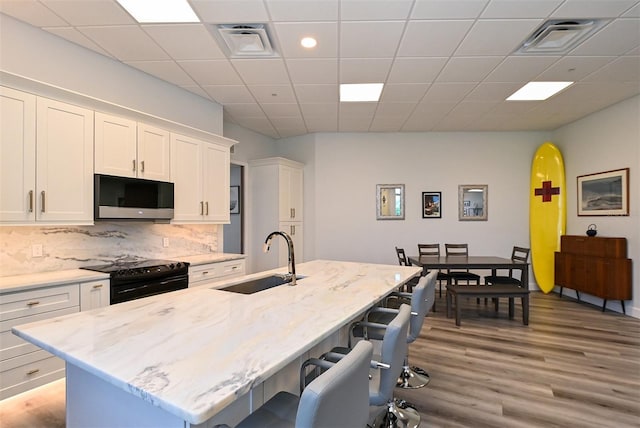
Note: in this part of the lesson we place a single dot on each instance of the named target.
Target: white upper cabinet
(290, 186)
(46, 152)
(200, 171)
(127, 148)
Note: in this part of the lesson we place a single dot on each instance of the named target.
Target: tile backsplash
(69, 247)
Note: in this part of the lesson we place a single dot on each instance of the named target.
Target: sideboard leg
(561, 287)
(578, 295)
(604, 305)
(623, 311)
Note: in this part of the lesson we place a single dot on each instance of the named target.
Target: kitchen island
(201, 356)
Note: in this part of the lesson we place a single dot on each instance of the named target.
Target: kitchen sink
(259, 284)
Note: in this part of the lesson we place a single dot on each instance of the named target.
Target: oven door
(125, 290)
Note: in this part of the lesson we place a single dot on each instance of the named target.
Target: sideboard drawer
(32, 302)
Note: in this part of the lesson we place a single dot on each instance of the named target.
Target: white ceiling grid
(447, 65)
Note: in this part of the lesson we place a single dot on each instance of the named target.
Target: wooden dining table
(472, 262)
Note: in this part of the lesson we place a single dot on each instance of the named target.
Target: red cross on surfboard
(546, 191)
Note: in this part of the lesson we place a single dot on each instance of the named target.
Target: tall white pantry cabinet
(277, 204)
(46, 160)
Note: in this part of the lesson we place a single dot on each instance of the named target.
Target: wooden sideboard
(596, 266)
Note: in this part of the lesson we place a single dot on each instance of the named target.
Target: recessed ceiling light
(308, 42)
(360, 92)
(149, 11)
(537, 91)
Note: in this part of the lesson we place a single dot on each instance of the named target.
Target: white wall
(251, 144)
(603, 141)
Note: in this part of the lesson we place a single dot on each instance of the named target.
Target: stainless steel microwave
(122, 198)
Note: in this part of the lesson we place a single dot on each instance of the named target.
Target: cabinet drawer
(28, 371)
(202, 273)
(32, 302)
(11, 345)
(231, 268)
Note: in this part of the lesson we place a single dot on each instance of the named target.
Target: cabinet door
(154, 148)
(17, 156)
(64, 163)
(94, 294)
(295, 192)
(290, 193)
(295, 230)
(115, 145)
(216, 183)
(186, 170)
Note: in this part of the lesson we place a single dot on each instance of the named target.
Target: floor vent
(559, 36)
(246, 40)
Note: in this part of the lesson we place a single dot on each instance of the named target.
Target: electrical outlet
(36, 250)
(165, 242)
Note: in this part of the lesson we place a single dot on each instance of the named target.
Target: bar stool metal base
(399, 414)
(413, 378)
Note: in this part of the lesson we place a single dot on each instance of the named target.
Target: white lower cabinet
(24, 366)
(212, 272)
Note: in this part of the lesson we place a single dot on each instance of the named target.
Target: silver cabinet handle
(33, 303)
(206, 204)
(206, 272)
(97, 286)
(292, 229)
(201, 207)
(30, 201)
(32, 372)
(294, 213)
(134, 165)
(141, 166)
(42, 195)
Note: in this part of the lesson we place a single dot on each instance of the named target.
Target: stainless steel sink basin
(260, 284)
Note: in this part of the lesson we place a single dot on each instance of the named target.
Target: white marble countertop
(11, 284)
(194, 351)
(203, 259)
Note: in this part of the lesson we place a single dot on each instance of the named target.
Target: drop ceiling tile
(302, 10)
(416, 70)
(364, 70)
(357, 109)
(317, 93)
(370, 39)
(288, 123)
(634, 12)
(291, 132)
(490, 91)
(313, 71)
(260, 125)
(520, 9)
(289, 35)
(395, 109)
(573, 68)
(230, 94)
(470, 109)
(319, 109)
(634, 52)
(273, 94)
(165, 70)
(592, 9)
(32, 12)
(387, 123)
(94, 12)
(211, 72)
(73, 35)
(230, 11)
(322, 123)
(496, 37)
(358, 10)
(447, 9)
(281, 110)
(447, 92)
(520, 68)
(354, 124)
(244, 110)
(185, 41)
(468, 69)
(624, 69)
(127, 43)
(261, 71)
(433, 38)
(199, 91)
(616, 38)
(403, 92)
(426, 116)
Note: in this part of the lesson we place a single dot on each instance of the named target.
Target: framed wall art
(604, 193)
(472, 202)
(431, 204)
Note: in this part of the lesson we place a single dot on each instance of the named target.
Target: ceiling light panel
(150, 11)
(538, 91)
(360, 92)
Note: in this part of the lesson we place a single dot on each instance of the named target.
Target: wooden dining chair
(460, 250)
(518, 254)
(403, 260)
(433, 250)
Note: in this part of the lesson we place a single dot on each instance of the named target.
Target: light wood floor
(573, 366)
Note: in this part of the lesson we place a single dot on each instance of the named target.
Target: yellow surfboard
(547, 212)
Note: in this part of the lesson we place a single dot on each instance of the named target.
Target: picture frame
(431, 204)
(604, 193)
(234, 200)
(473, 202)
(390, 202)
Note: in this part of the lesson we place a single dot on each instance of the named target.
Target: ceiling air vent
(560, 35)
(246, 40)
